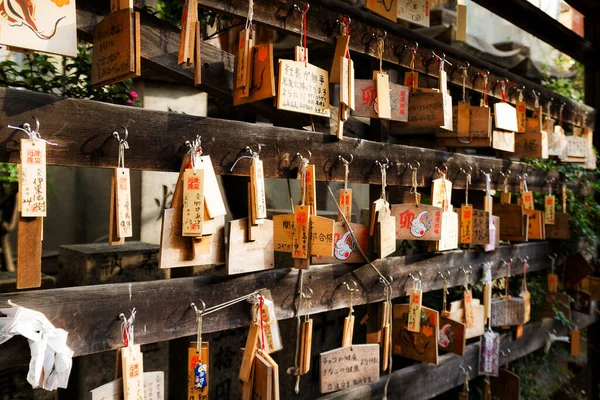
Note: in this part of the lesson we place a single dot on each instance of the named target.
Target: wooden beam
(90, 313)
(532, 19)
(83, 130)
(321, 26)
(414, 382)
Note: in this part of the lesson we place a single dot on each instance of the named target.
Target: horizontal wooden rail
(415, 382)
(532, 19)
(83, 129)
(321, 24)
(90, 313)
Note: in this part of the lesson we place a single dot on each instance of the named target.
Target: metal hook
(465, 172)
(307, 296)
(355, 289)
(124, 140)
(467, 271)
(193, 305)
(464, 370)
(524, 260)
(443, 170)
(306, 7)
(410, 275)
(298, 155)
(383, 165)
(441, 274)
(413, 168)
(507, 263)
(346, 162)
(487, 173)
(389, 278)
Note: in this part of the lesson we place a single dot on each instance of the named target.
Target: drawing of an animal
(22, 12)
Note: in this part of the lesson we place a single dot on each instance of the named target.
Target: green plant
(572, 88)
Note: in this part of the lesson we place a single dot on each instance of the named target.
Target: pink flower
(130, 102)
(133, 95)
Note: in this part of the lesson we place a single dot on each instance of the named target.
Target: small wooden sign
(549, 210)
(189, 19)
(154, 388)
(489, 353)
(421, 346)
(213, 199)
(508, 312)
(382, 106)
(560, 229)
(305, 351)
(345, 250)
(468, 306)
(506, 386)
(414, 311)
(559, 301)
(505, 117)
(480, 122)
(245, 256)
(414, 11)
(29, 252)
(345, 202)
(321, 236)
(263, 379)
(536, 228)
(116, 55)
(417, 223)
(449, 239)
(521, 107)
(249, 352)
(463, 119)
(341, 49)
(379, 209)
(466, 224)
(452, 336)
(503, 140)
(552, 282)
(385, 9)
(262, 85)
(386, 237)
(425, 110)
(310, 187)
(511, 219)
(481, 227)
(461, 23)
(132, 362)
(365, 93)
(198, 372)
(531, 145)
(441, 193)
(575, 342)
(123, 202)
(303, 88)
(301, 232)
(348, 367)
(275, 374)
(193, 202)
(32, 180)
(527, 200)
(457, 313)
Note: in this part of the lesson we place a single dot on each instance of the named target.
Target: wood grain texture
(414, 382)
(166, 316)
(29, 252)
(82, 131)
(321, 25)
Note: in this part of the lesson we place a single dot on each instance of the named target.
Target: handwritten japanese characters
(417, 223)
(348, 367)
(123, 198)
(489, 352)
(303, 88)
(365, 94)
(133, 373)
(32, 182)
(549, 209)
(414, 11)
(422, 345)
(154, 388)
(193, 202)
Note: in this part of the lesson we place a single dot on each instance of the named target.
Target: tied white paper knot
(51, 359)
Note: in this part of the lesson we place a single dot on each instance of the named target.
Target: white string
(250, 14)
(33, 135)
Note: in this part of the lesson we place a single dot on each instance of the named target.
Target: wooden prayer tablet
(505, 117)
(508, 311)
(441, 192)
(421, 346)
(417, 223)
(178, 251)
(245, 256)
(123, 203)
(521, 108)
(113, 223)
(263, 379)
(511, 219)
(452, 336)
(506, 386)
(263, 76)
(189, 19)
(414, 11)
(531, 145)
(560, 229)
(154, 388)
(425, 110)
(348, 367)
(275, 369)
(249, 352)
(341, 48)
(386, 9)
(305, 351)
(457, 313)
(386, 238)
(32, 179)
(481, 227)
(29, 252)
(193, 203)
(214, 204)
(116, 55)
(449, 238)
(297, 83)
(466, 224)
(344, 249)
(133, 372)
(480, 122)
(489, 353)
(575, 342)
(536, 227)
(503, 140)
(382, 106)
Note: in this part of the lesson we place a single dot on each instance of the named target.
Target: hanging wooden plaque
(582, 302)
(461, 23)
(345, 250)
(387, 9)
(386, 237)
(298, 83)
(531, 145)
(457, 313)
(452, 336)
(245, 256)
(365, 93)
(301, 232)
(116, 55)
(441, 192)
(32, 178)
(505, 117)
(508, 312)
(382, 102)
(503, 140)
(414, 11)
(347, 367)
(417, 223)
(249, 352)
(29, 252)
(189, 19)
(449, 238)
(270, 335)
(506, 386)
(511, 219)
(345, 203)
(521, 107)
(425, 110)
(379, 209)
(481, 227)
(193, 202)
(536, 228)
(197, 382)
(154, 388)
(480, 123)
(321, 236)
(310, 186)
(263, 76)
(132, 362)
(549, 210)
(560, 229)
(341, 49)
(263, 379)
(421, 346)
(575, 342)
(463, 117)
(275, 375)
(466, 224)
(305, 352)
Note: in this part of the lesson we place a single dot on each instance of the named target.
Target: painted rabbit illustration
(22, 12)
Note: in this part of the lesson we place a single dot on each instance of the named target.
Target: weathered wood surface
(83, 130)
(532, 19)
(90, 313)
(414, 382)
(321, 26)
